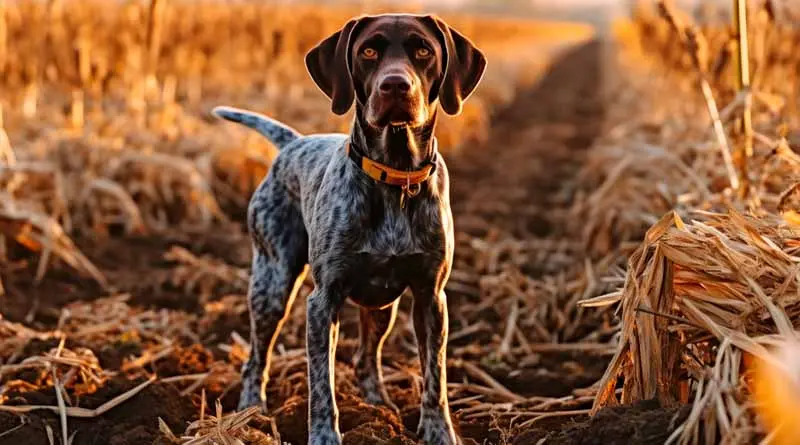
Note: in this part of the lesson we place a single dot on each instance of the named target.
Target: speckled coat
(317, 210)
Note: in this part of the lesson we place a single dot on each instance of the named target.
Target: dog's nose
(395, 84)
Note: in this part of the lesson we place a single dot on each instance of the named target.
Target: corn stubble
(711, 293)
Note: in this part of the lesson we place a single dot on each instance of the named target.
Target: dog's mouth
(396, 114)
(399, 116)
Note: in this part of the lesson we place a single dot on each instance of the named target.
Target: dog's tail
(276, 132)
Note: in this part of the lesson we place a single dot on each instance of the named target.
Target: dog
(368, 213)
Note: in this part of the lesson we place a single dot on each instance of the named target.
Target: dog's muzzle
(395, 102)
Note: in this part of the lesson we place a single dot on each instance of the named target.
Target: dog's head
(397, 67)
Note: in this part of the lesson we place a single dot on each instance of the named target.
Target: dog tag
(408, 191)
(412, 190)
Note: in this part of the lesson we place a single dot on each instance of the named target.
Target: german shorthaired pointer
(369, 212)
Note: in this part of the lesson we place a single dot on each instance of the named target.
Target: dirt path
(517, 187)
(537, 143)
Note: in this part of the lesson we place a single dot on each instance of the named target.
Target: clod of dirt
(359, 422)
(644, 423)
(132, 423)
(292, 420)
(193, 359)
(375, 433)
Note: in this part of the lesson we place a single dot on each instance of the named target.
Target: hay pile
(697, 296)
(713, 287)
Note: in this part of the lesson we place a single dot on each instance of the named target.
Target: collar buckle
(409, 191)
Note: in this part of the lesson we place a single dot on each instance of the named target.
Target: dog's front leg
(322, 330)
(374, 328)
(430, 327)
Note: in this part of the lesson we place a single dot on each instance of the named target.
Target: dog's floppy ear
(329, 66)
(463, 66)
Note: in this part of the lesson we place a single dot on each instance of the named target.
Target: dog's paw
(324, 436)
(372, 389)
(437, 431)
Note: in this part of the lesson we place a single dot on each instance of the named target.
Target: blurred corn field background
(625, 272)
(105, 106)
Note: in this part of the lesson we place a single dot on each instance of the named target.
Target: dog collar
(409, 181)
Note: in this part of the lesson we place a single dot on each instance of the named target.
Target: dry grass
(231, 428)
(714, 283)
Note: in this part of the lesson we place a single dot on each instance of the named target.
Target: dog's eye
(423, 53)
(369, 53)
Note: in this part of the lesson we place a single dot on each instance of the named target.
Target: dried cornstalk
(3, 38)
(77, 111)
(41, 233)
(155, 23)
(727, 275)
(229, 428)
(99, 187)
(7, 156)
(168, 180)
(697, 48)
(203, 273)
(743, 82)
(74, 411)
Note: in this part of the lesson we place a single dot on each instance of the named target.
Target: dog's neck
(401, 148)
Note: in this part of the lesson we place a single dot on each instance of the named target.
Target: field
(611, 284)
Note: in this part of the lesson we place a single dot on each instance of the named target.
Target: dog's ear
(463, 65)
(329, 66)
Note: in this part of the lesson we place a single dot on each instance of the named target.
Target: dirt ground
(519, 183)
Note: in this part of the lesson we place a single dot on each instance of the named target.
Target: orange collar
(408, 180)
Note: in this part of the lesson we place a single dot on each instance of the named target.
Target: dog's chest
(397, 249)
(393, 230)
(378, 280)
(392, 235)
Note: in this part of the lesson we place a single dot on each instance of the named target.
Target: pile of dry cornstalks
(715, 285)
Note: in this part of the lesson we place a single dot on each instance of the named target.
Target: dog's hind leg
(272, 291)
(279, 267)
(374, 328)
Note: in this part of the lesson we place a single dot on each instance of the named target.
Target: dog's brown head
(398, 67)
